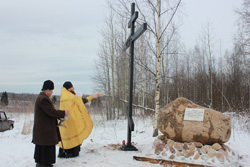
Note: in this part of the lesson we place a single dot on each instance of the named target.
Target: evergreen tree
(4, 98)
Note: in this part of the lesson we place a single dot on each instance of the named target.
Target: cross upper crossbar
(133, 19)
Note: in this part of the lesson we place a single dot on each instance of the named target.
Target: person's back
(72, 138)
(45, 130)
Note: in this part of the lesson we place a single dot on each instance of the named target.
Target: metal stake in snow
(130, 43)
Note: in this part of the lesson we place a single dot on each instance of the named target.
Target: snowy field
(101, 148)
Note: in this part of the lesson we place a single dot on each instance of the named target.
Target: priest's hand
(95, 96)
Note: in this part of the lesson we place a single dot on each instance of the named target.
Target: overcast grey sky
(58, 39)
(218, 13)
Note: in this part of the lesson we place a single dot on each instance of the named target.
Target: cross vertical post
(130, 43)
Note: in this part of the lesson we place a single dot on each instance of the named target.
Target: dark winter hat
(48, 85)
(67, 85)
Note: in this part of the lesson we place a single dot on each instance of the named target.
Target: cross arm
(134, 37)
(139, 32)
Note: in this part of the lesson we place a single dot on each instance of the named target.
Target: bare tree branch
(172, 16)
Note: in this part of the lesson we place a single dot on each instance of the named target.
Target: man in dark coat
(45, 131)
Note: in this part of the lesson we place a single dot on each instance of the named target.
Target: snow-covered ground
(101, 148)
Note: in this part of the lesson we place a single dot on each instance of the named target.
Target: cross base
(126, 147)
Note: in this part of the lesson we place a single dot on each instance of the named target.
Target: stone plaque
(194, 114)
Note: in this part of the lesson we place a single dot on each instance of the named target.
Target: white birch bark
(158, 66)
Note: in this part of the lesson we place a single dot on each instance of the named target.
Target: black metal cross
(130, 43)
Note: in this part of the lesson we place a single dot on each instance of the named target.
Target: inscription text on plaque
(193, 114)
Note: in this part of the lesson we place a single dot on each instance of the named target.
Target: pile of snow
(101, 149)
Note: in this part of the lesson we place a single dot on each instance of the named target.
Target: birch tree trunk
(117, 88)
(211, 74)
(109, 92)
(158, 66)
(124, 82)
(112, 71)
(210, 62)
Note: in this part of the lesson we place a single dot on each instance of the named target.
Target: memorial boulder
(200, 124)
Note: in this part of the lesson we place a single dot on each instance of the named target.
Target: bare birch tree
(208, 39)
(107, 62)
(158, 34)
(243, 36)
